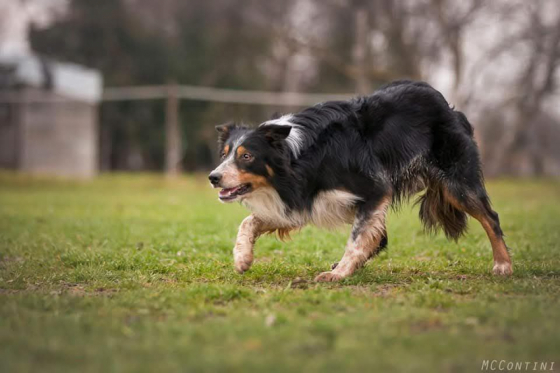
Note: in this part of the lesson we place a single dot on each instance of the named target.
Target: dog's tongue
(228, 191)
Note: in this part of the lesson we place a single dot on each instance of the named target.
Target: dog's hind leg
(368, 234)
(476, 203)
(458, 188)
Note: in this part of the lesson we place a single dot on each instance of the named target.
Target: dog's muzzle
(215, 178)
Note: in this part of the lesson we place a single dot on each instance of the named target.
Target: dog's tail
(437, 213)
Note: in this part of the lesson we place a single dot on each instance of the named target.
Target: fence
(174, 93)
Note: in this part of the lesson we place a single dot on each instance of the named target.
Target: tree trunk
(360, 52)
(173, 133)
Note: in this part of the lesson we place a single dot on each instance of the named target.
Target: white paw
(328, 277)
(243, 264)
(502, 269)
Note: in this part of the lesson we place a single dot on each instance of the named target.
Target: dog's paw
(328, 277)
(502, 269)
(242, 265)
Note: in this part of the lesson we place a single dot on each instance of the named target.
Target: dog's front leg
(249, 230)
(367, 233)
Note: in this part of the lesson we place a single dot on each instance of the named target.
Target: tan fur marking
(256, 181)
(240, 151)
(226, 150)
(282, 233)
(270, 171)
(502, 260)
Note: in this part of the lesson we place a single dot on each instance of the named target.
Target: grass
(134, 274)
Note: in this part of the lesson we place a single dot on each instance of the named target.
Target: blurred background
(138, 85)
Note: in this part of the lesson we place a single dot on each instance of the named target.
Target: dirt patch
(299, 283)
(10, 291)
(5, 260)
(66, 288)
(426, 325)
(384, 290)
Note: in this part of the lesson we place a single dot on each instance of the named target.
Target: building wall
(58, 138)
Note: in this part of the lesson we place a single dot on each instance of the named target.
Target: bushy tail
(437, 213)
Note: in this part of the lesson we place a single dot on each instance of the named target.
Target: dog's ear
(224, 131)
(275, 132)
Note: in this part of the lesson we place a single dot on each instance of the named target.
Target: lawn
(134, 273)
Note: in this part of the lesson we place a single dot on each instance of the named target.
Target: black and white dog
(347, 162)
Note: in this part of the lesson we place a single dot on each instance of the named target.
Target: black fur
(402, 139)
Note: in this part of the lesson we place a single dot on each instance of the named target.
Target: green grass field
(134, 274)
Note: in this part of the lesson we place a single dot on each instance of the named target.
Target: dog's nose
(215, 178)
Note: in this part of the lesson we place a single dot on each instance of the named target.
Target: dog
(347, 162)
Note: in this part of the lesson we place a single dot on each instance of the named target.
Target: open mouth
(229, 194)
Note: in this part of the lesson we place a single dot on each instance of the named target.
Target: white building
(48, 117)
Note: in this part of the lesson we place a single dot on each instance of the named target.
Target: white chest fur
(330, 209)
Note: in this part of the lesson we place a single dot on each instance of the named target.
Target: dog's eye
(247, 157)
(222, 155)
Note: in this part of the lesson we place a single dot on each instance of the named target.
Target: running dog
(344, 162)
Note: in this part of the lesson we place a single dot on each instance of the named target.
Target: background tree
(317, 46)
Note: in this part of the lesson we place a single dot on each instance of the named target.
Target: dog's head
(249, 159)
